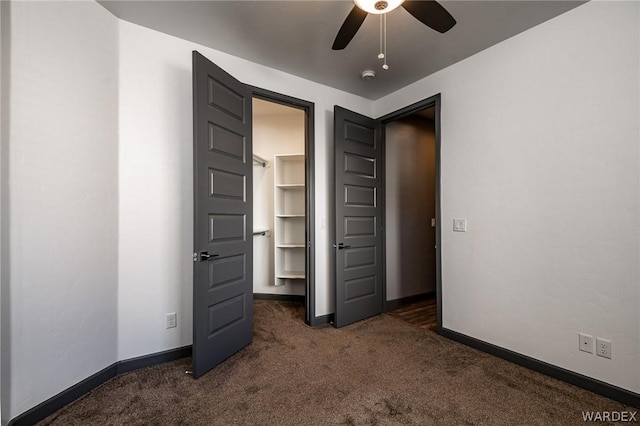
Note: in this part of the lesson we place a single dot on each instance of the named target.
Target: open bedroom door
(359, 155)
(223, 216)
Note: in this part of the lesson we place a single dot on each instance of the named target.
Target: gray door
(358, 222)
(223, 216)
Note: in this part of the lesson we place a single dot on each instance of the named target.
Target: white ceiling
(296, 36)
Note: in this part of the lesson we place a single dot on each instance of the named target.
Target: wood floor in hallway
(424, 313)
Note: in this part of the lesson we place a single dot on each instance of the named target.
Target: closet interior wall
(277, 130)
(410, 206)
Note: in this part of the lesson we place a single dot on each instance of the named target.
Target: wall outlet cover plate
(603, 347)
(585, 343)
(172, 320)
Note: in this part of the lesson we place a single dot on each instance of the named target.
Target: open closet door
(223, 216)
(358, 221)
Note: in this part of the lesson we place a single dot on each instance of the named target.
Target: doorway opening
(413, 254)
(282, 199)
(360, 214)
(223, 252)
(410, 216)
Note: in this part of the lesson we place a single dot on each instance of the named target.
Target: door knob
(342, 246)
(206, 256)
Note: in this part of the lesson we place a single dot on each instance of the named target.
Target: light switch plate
(460, 225)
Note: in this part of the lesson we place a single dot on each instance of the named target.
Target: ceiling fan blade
(430, 13)
(349, 28)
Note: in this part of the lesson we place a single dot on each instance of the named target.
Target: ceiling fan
(429, 12)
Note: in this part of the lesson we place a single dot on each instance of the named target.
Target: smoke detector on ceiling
(368, 74)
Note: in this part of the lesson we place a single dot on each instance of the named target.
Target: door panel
(223, 216)
(358, 189)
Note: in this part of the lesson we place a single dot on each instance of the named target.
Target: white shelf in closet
(289, 229)
(291, 275)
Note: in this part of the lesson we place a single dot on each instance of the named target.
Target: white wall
(62, 229)
(4, 136)
(410, 184)
(540, 152)
(155, 239)
(277, 129)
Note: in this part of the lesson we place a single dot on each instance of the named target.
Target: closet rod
(265, 232)
(261, 161)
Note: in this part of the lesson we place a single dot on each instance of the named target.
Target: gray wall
(410, 205)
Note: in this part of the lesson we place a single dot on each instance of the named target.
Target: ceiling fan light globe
(369, 6)
(368, 75)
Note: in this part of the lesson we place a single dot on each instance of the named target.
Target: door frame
(309, 158)
(433, 101)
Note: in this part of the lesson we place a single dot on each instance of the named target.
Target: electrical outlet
(585, 343)
(172, 320)
(603, 347)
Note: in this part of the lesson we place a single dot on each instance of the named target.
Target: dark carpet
(380, 371)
